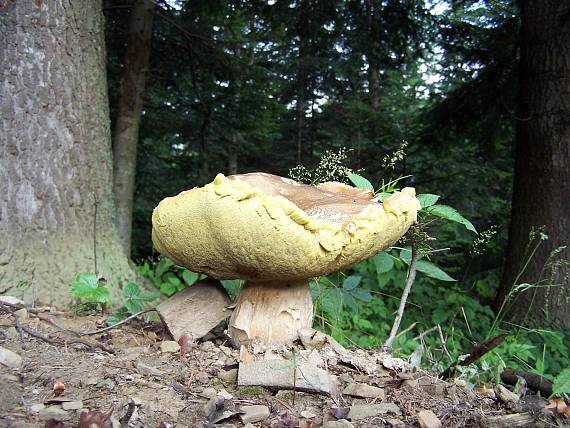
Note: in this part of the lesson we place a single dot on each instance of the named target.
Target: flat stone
(208, 393)
(11, 300)
(505, 395)
(53, 413)
(35, 408)
(147, 370)
(195, 310)
(169, 347)
(363, 390)
(410, 385)
(10, 358)
(72, 405)
(341, 423)
(21, 314)
(92, 380)
(254, 414)
(278, 374)
(363, 411)
(249, 425)
(229, 376)
(428, 419)
(202, 377)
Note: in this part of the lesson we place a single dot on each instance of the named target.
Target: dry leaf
(558, 405)
(95, 419)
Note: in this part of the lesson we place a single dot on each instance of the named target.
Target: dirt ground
(136, 376)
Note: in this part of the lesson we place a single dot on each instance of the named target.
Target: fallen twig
(409, 282)
(102, 330)
(477, 352)
(533, 381)
(87, 343)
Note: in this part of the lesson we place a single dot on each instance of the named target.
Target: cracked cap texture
(262, 227)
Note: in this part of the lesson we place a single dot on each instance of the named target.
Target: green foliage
(135, 300)
(90, 292)
(562, 382)
(168, 277)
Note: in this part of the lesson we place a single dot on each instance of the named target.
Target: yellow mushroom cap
(261, 227)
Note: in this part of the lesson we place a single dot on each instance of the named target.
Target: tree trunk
(542, 173)
(126, 135)
(55, 160)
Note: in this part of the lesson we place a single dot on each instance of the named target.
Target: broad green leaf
(360, 182)
(383, 262)
(131, 290)
(562, 382)
(425, 267)
(450, 213)
(331, 301)
(117, 316)
(87, 280)
(351, 282)
(427, 199)
(172, 278)
(348, 300)
(431, 270)
(133, 306)
(168, 289)
(382, 196)
(361, 294)
(101, 295)
(163, 265)
(189, 277)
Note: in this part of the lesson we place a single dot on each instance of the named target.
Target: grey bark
(55, 157)
(126, 132)
(542, 173)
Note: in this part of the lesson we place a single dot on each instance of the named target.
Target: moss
(252, 391)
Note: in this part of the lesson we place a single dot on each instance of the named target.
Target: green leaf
(348, 300)
(101, 295)
(117, 316)
(562, 382)
(168, 289)
(425, 267)
(427, 199)
(382, 196)
(87, 280)
(383, 262)
(360, 182)
(351, 282)
(133, 306)
(131, 290)
(189, 277)
(361, 294)
(431, 270)
(163, 265)
(450, 213)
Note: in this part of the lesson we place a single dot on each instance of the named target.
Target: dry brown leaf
(558, 405)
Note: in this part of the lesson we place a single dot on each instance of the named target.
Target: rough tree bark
(55, 156)
(126, 132)
(542, 173)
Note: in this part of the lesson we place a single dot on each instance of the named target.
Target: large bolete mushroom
(276, 234)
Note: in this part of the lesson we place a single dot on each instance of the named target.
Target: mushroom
(276, 234)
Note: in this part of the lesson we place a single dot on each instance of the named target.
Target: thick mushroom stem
(271, 311)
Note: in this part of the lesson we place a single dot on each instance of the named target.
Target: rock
(253, 414)
(53, 413)
(202, 377)
(195, 310)
(169, 347)
(147, 370)
(363, 390)
(410, 385)
(278, 374)
(436, 390)
(307, 414)
(312, 339)
(229, 376)
(396, 423)
(9, 358)
(35, 408)
(92, 380)
(249, 425)
(11, 300)
(428, 419)
(341, 423)
(460, 383)
(208, 393)
(72, 405)
(505, 395)
(21, 314)
(363, 411)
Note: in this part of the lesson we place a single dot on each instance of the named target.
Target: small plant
(168, 277)
(90, 293)
(135, 301)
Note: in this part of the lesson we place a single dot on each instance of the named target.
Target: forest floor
(135, 376)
